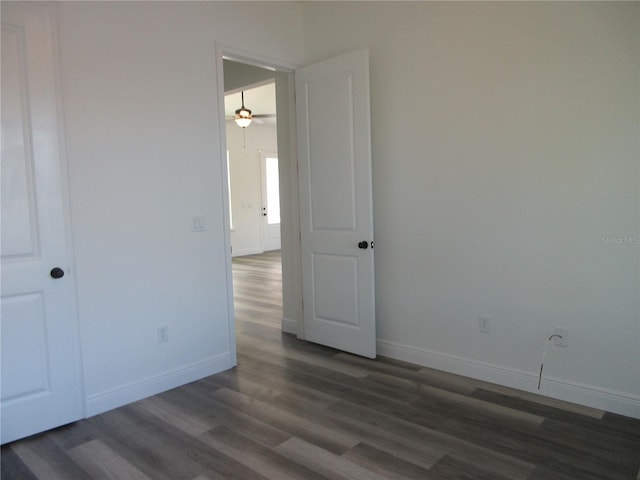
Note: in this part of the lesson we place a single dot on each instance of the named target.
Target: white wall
(495, 200)
(505, 159)
(141, 110)
(246, 190)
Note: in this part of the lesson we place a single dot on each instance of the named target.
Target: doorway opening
(254, 200)
(253, 169)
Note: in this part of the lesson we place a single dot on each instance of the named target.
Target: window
(229, 191)
(273, 190)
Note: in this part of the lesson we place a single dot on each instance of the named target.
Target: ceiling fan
(243, 116)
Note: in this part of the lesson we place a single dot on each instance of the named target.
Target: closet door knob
(56, 272)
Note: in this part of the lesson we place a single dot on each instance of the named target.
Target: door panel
(332, 103)
(336, 301)
(18, 212)
(24, 358)
(331, 174)
(41, 386)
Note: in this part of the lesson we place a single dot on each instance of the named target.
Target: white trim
(289, 326)
(612, 401)
(226, 206)
(254, 59)
(294, 209)
(114, 398)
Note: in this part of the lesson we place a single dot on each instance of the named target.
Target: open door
(336, 221)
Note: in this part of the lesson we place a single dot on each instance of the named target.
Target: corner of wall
(119, 396)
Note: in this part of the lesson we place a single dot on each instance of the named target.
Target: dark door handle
(57, 273)
(363, 244)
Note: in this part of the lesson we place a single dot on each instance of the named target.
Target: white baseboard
(246, 251)
(588, 395)
(289, 326)
(117, 397)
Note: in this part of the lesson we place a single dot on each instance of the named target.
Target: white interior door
(41, 386)
(336, 221)
(270, 201)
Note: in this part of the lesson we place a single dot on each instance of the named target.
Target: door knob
(56, 273)
(363, 244)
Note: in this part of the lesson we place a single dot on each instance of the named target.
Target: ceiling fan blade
(265, 115)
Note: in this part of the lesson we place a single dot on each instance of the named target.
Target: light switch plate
(484, 324)
(198, 224)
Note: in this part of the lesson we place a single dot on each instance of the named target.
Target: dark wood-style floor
(293, 410)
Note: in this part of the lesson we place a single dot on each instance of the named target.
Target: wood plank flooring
(293, 410)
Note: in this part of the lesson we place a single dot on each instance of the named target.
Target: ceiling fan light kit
(243, 116)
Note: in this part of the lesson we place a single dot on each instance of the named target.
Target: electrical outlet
(484, 324)
(163, 334)
(563, 340)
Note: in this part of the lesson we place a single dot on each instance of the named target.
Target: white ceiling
(260, 100)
